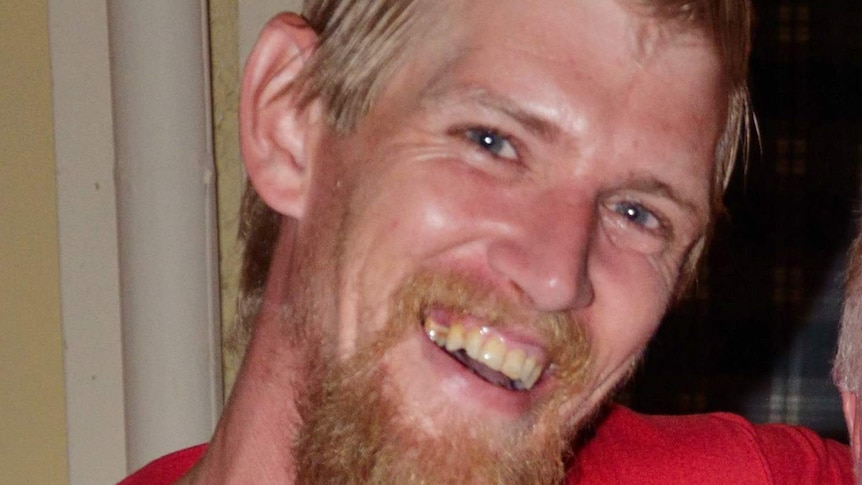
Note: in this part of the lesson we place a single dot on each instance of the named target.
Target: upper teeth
(488, 349)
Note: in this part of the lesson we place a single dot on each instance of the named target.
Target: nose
(543, 251)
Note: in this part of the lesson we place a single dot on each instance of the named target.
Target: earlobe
(274, 132)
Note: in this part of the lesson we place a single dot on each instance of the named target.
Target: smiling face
(486, 256)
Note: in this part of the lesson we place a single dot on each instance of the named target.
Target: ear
(848, 401)
(275, 135)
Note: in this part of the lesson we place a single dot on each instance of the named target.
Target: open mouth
(486, 354)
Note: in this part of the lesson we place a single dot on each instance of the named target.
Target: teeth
(436, 332)
(513, 364)
(490, 350)
(530, 372)
(473, 344)
(455, 340)
(493, 353)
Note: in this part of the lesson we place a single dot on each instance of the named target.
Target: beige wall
(230, 180)
(32, 407)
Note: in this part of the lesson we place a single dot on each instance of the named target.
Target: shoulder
(167, 469)
(716, 448)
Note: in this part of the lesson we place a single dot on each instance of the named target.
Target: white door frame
(139, 297)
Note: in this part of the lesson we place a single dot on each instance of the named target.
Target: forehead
(606, 40)
(572, 63)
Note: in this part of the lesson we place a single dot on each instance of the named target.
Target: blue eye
(492, 142)
(637, 214)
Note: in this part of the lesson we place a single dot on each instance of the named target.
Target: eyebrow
(535, 124)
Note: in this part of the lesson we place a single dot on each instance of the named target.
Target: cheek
(403, 220)
(391, 234)
(422, 213)
(631, 296)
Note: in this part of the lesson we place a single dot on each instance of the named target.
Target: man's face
(499, 238)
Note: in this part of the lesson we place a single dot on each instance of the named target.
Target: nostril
(520, 293)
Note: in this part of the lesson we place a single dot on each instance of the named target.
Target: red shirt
(707, 449)
(167, 469)
(632, 448)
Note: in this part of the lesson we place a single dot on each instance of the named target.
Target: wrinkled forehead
(566, 44)
(572, 32)
(633, 27)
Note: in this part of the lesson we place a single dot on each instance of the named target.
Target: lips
(487, 353)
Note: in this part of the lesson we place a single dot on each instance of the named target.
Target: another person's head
(468, 218)
(847, 371)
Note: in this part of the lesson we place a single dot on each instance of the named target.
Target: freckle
(98, 186)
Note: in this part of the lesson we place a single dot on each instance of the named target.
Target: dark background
(756, 336)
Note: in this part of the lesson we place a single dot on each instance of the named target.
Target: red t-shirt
(632, 448)
(706, 449)
(167, 469)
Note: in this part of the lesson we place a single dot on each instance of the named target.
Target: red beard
(353, 431)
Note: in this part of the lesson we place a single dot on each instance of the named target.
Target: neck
(253, 442)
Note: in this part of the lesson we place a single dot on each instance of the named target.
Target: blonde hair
(362, 42)
(848, 359)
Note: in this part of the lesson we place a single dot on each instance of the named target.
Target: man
(467, 220)
(847, 371)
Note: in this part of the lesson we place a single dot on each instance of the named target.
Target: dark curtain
(756, 336)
